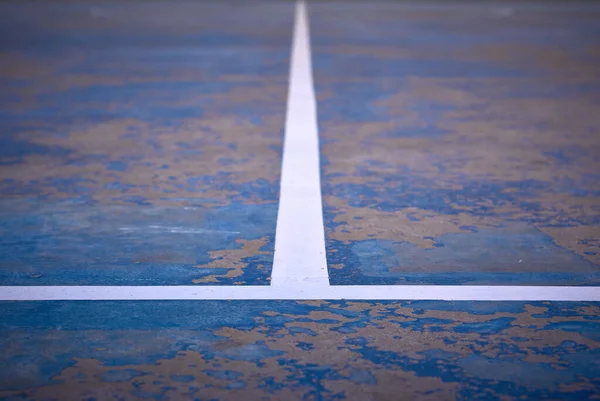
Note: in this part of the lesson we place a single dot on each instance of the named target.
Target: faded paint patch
(235, 261)
(143, 245)
(584, 240)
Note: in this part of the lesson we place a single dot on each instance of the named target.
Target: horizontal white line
(367, 292)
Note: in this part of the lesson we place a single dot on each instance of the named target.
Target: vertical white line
(300, 239)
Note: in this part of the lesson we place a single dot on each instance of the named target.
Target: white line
(300, 267)
(375, 293)
(300, 240)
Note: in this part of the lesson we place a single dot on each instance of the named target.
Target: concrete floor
(141, 145)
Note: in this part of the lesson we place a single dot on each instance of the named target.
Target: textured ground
(270, 350)
(140, 144)
(460, 143)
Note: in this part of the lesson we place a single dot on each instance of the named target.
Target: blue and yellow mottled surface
(269, 350)
(141, 142)
(460, 142)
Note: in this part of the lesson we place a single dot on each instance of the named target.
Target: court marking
(301, 292)
(300, 266)
(300, 233)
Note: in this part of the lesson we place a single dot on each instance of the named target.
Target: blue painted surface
(298, 350)
(144, 245)
(140, 144)
(459, 142)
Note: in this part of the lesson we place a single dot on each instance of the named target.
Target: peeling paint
(298, 350)
(459, 143)
(140, 149)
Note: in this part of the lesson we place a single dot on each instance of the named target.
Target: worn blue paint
(118, 245)
(143, 151)
(441, 67)
(453, 255)
(147, 151)
(222, 346)
(445, 158)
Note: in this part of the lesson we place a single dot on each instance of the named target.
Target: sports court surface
(273, 200)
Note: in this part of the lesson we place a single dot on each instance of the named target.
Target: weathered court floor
(210, 201)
